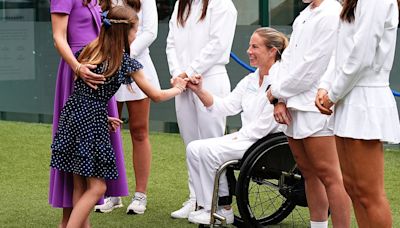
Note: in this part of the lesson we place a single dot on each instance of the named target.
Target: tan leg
(363, 170)
(66, 212)
(139, 129)
(322, 154)
(96, 188)
(316, 194)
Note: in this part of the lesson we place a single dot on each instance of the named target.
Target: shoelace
(141, 199)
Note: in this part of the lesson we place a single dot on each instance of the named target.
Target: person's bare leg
(346, 164)
(322, 154)
(139, 128)
(365, 182)
(66, 212)
(315, 190)
(96, 187)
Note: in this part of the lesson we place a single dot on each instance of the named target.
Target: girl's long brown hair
(135, 4)
(184, 9)
(112, 41)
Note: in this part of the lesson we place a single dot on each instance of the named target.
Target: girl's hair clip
(106, 21)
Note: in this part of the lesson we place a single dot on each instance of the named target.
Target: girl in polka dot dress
(82, 144)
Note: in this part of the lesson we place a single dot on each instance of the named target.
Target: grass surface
(24, 169)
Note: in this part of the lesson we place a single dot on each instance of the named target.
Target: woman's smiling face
(258, 53)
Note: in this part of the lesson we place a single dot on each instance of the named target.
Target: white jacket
(306, 58)
(365, 49)
(201, 47)
(249, 99)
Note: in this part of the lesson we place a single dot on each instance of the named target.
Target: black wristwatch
(275, 100)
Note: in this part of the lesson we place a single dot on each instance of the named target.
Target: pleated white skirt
(368, 113)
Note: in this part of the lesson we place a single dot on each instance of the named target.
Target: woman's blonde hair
(273, 39)
(112, 41)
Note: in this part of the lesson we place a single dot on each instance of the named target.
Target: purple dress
(83, 26)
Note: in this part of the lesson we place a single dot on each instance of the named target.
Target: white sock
(319, 224)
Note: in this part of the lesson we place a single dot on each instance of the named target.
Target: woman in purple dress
(76, 23)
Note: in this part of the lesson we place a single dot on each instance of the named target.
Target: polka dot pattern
(82, 142)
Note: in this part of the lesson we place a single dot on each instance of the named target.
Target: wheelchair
(268, 187)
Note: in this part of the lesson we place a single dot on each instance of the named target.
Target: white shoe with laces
(204, 217)
(109, 205)
(183, 213)
(138, 204)
(194, 213)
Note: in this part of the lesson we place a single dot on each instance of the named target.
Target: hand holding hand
(323, 102)
(282, 114)
(195, 83)
(179, 83)
(114, 123)
(91, 79)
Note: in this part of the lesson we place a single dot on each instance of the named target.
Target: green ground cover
(24, 175)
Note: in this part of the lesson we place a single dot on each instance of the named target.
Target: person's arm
(218, 106)
(149, 28)
(222, 30)
(265, 124)
(59, 23)
(155, 94)
(369, 31)
(313, 63)
(172, 57)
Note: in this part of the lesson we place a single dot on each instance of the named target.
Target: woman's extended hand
(91, 79)
(282, 114)
(114, 123)
(195, 83)
(323, 103)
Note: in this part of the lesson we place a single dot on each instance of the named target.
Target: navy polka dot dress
(82, 143)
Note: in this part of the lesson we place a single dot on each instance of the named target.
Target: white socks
(319, 224)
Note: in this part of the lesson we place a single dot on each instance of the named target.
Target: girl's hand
(91, 79)
(282, 114)
(323, 102)
(195, 83)
(114, 123)
(179, 83)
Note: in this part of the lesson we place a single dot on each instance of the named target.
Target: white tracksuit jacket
(365, 51)
(205, 156)
(306, 58)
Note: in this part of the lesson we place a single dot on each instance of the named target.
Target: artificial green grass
(24, 175)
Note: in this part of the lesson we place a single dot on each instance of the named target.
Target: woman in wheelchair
(205, 156)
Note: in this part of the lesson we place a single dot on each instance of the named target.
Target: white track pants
(205, 156)
(193, 121)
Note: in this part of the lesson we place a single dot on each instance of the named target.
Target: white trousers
(204, 157)
(193, 121)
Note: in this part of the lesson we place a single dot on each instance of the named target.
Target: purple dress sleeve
(61, 6)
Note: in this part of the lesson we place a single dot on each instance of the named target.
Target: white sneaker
(109, 205)
(194, 213)
(204, 217)
(188, 206)
(138, 204)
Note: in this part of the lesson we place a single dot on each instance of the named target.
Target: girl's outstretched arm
(157, 95)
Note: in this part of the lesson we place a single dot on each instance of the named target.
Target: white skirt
(123, 94)
(368, 113)
(308, 124)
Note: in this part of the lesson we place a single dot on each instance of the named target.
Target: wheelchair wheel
(262, 198)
